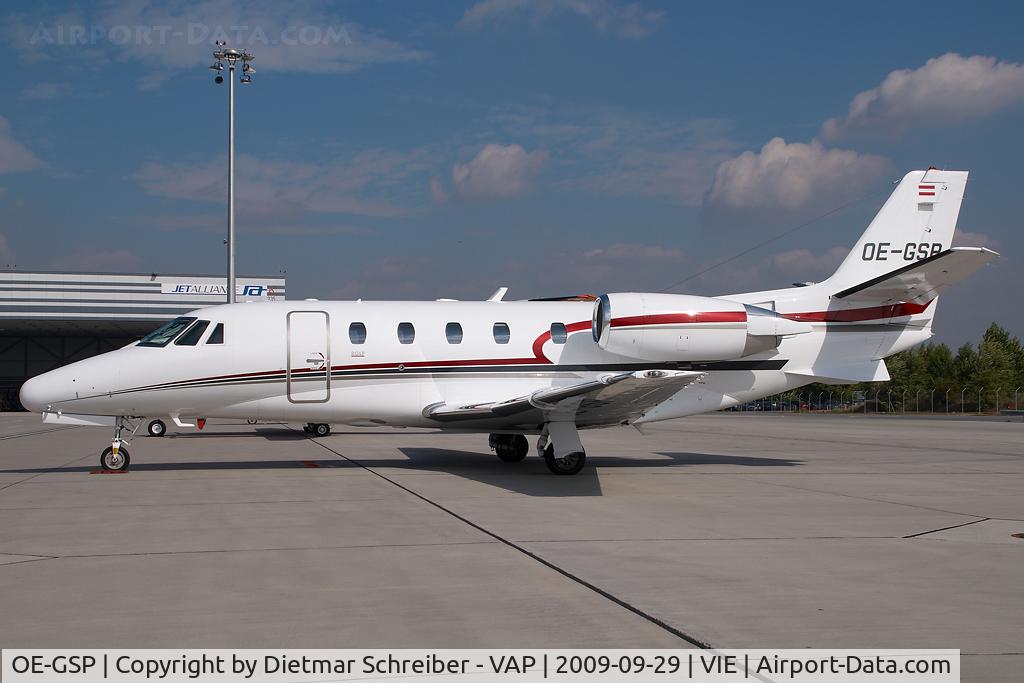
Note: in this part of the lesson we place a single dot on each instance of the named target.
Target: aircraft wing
(923, 280)
(607, 400)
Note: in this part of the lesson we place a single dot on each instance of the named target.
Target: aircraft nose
(37, 393)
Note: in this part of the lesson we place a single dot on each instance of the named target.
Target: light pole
(1015, 392)
(962, 392)
(979, 399)
(931, 400)
(222, 54)
(947, 399)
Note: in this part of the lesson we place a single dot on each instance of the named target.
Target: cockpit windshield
(163, 335)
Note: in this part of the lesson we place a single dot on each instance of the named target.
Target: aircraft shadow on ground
(529, 477)
(268, 434)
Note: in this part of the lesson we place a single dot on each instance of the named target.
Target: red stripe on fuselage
(538, 343)
(669, 318)
(848, 315)
(852, 315)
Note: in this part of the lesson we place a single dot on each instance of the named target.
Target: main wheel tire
(157, 428)
(115, 463)
(321, 429)
(570, 464)
(509, 447)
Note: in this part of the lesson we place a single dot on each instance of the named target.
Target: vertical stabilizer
(916, 222)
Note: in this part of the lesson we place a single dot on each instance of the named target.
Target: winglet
(498, 295)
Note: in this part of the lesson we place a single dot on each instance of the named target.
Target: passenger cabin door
(309, 357)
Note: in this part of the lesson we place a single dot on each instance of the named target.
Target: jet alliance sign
(213, 289)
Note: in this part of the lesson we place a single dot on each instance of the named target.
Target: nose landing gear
(115, 461)
(115, 458)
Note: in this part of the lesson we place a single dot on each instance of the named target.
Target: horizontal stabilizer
(923, 280)
(829, 373)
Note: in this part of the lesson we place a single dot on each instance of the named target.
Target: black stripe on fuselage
(395, 372)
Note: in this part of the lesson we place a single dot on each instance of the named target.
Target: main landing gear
(156, 428)
(559, 444)
(317, 428)
(509, 447)
(115, 457)
(570, 459)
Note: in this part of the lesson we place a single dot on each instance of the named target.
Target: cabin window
(357, 333)
(558, 333)
(217, 336)
(406, 333)
(194, 334)
(162, 336)
(453, 332)
(501, 333)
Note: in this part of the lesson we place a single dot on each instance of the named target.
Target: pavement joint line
(40, 431)
(34, 559)
(39, 474)
(208, 551)
(547, 563)
(160, 505)
(716, 538)
(861, 443)
(850, 495)
(947, 528)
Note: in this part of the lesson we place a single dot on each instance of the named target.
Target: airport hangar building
(49, 319)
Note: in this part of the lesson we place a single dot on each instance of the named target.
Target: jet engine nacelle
(667, 327)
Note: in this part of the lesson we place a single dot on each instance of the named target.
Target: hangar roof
(114, 304)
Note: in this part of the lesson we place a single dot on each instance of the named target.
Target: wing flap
(609, 399)
(922, 281)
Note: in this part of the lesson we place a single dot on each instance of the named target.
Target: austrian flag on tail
(928, 192)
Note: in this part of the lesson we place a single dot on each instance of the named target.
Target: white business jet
(517, 368)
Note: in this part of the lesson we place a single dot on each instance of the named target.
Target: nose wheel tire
(569, 464)
(157, 428)
(320, 429)
(115, 462)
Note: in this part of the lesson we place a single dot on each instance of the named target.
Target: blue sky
(443, 149)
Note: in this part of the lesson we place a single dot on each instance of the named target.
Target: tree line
(978, 377)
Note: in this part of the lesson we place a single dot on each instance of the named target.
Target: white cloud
(628, 20)
(497, 171)
(634, 255)
(437, 190)
(624, 154)
(300, 36)
(282, 192)
(804, 264)
(46, 90)
(13, 155)
(248, 223)
(784, 178)
(946, 89)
